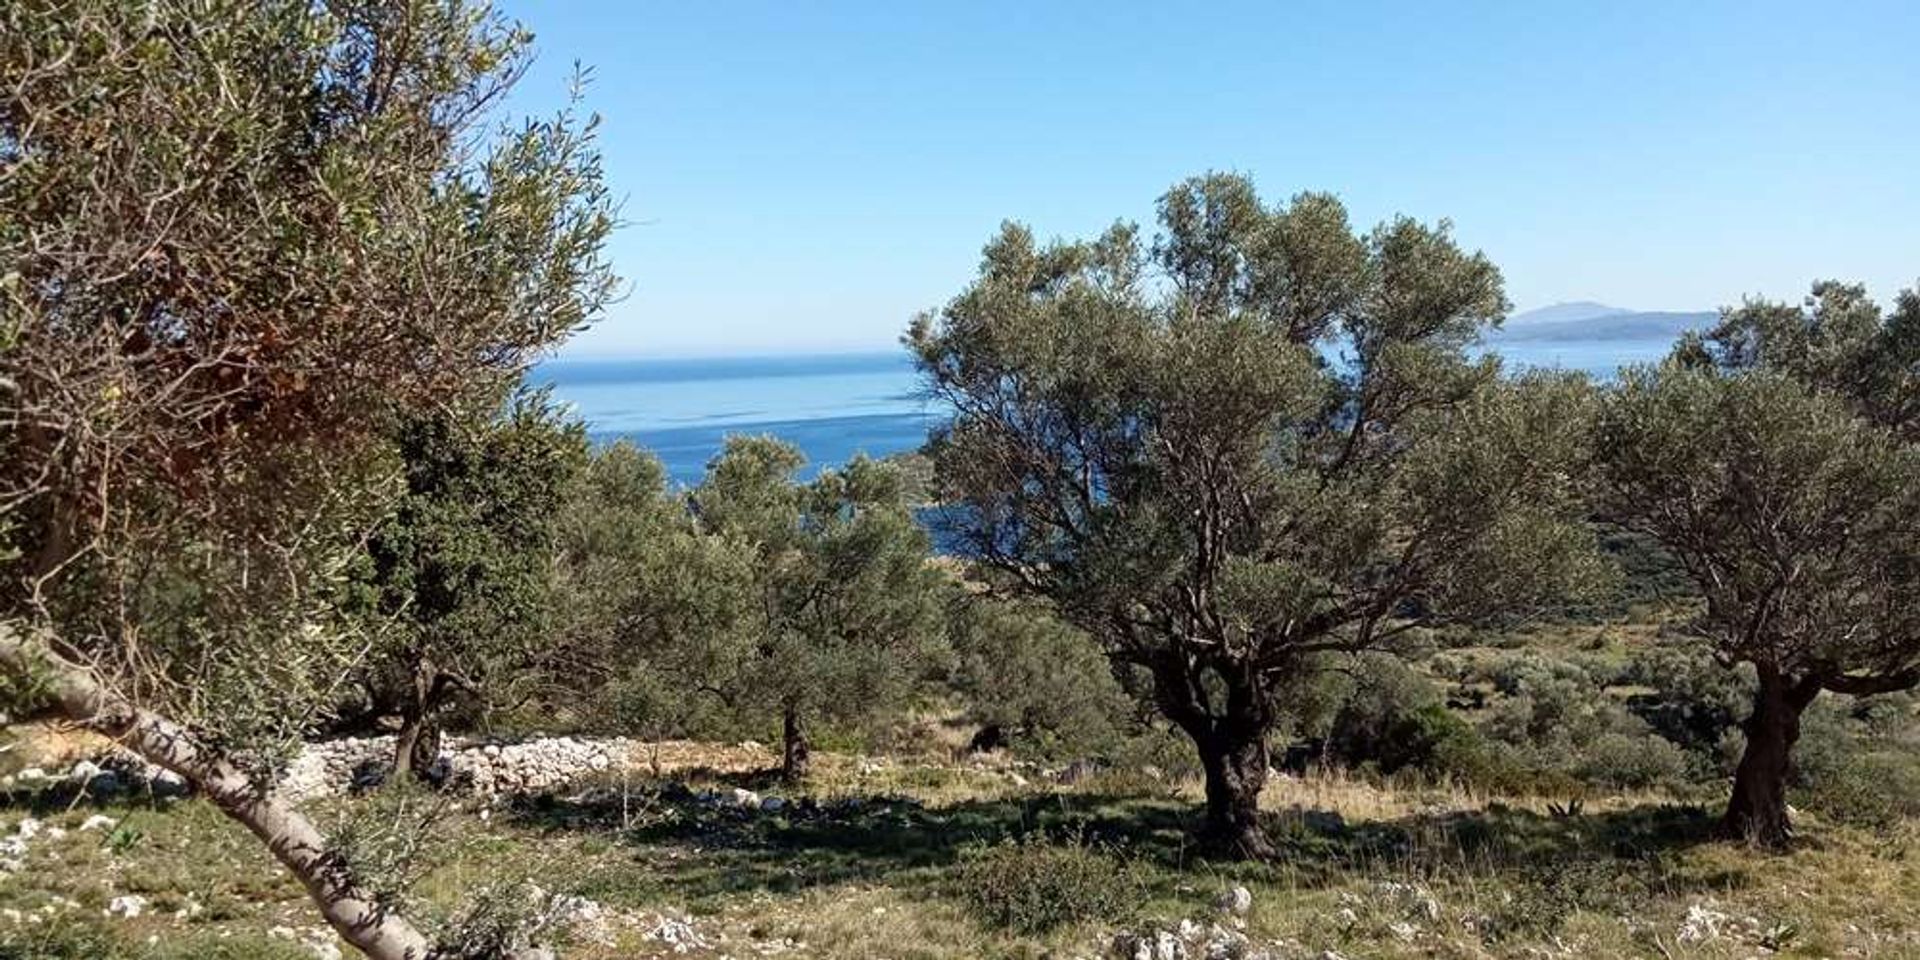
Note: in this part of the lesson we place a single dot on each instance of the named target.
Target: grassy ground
(877, 862)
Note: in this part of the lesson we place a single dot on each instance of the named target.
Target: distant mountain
(1565, 313)
(1594, 321)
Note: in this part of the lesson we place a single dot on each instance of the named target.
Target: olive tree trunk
(1231, 738)
(416, 746)
(796, 754)
(1757, 811)
(1235, 763)
(294, 841)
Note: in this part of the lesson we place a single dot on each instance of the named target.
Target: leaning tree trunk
(1757, 811)
(796, 755)
(292, 838)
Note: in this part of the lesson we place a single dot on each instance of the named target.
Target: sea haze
(834, 406)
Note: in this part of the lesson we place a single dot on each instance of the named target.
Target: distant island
(1586, 321)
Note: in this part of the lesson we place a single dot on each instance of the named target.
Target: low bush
(1873, 788)
(1033, 885)
(1622, 761)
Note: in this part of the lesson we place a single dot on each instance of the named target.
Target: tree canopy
(843, 609)
(237, 240)
(459, 582)
(1255, 438)
(1775, 459)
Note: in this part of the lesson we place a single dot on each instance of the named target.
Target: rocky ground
(689, 850)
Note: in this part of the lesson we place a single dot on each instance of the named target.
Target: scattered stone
(126, 907)
(677, 934)
(1701, 925)
(584, 918)
(1410, 900)
(1187, 941)
(745, 799)
(98, 822)
(1235, 901)
(773, 804)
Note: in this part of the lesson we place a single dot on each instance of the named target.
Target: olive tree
(1257, 439)
(459, 581)
(236, 239)
(843, 610)
(651, 609)
(1775, 459)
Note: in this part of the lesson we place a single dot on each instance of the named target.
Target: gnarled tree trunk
(796, 754)
(1236, 770)
(1231, 738)
(293, 839)
(1757, 811)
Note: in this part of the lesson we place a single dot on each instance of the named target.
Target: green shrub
(1542, 896)
(1876, 789)
(1033, 885)
(1629, 762)
(1693, 701)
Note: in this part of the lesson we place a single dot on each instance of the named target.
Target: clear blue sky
(807, 176)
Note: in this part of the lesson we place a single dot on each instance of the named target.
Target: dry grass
(1506, 878)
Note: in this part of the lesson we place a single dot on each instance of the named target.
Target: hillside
(1592, 321)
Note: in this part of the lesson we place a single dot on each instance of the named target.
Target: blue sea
(835, 406)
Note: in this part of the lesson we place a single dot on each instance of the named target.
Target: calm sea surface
(835, 406)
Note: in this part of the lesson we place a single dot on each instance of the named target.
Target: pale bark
(294, 841)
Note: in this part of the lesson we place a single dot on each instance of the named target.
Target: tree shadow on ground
(720, 848)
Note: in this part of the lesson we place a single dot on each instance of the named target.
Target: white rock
(98, 821)
(128, 906)
(743, 797)
(1237, 901)
(1702, 924)
(677, 934)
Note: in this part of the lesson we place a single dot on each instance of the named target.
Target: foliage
(1035, 678)
(631, 575)
(240, 238)
(1032, 884)
(1691, 700)
(1877, 788)
(843, 610)
(753, 598)
(1282, 449)
(1800, 523)
(459, 581)
(1837, 342)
